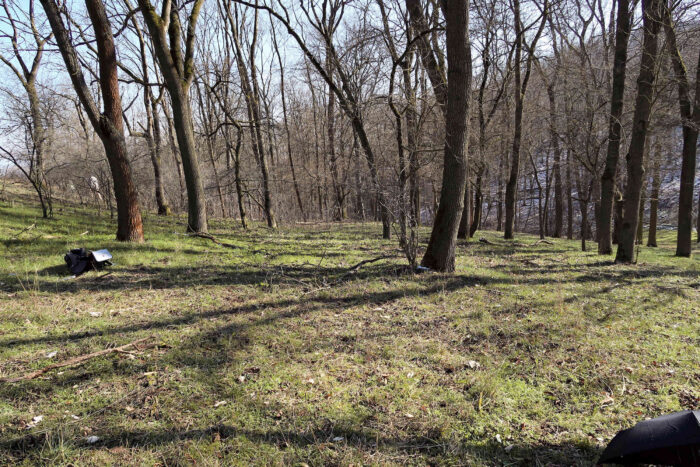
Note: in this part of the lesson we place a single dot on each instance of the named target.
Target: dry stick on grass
(368, 261)
(547, 242)
(16, 237)
(212, 238)
(78, 360)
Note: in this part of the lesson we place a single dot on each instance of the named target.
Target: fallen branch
(368, 261)
(78, 360)
(542, 240)
(16, 237)
(212, 238)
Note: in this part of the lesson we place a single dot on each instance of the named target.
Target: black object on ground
(672, 439)
(80, 260)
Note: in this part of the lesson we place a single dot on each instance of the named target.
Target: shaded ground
(271, 353)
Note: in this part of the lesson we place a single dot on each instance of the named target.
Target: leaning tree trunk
(635, 157)
(607, 193)
(440, 253)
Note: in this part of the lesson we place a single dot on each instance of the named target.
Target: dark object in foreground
(80, 260)
(672, 439)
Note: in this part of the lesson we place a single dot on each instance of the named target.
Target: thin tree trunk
(520, 90)
(556, 149)
(654, 197)
(286, 126)
(607, 194)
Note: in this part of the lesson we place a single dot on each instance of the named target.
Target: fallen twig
(16, 237)
(212, 238)
(543, 240)
(78, 360)
(368, 261)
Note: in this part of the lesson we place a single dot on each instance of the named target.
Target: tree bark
(108, 125)
(520, 90)
(607, 193)
(690, 115)
(654, 198)
(635, 157)
(178, 72)
(440, 253)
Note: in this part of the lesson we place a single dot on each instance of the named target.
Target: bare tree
(27, 75)
(440, 253)
(520, 90)
(652, 11)
(178, 73)
(108, 125)
(690, 116)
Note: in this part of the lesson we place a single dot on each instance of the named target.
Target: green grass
(530, 354)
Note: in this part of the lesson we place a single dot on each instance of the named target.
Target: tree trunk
(440, 253)
(607, 193)
(654, 199)
(108, 125)
(178, 73)
(520, 90)
(554, 141)
(569, 200)
(478, 201)
(635, 157)
(691, 124)
(286, 126)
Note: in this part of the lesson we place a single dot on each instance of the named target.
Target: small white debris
(92, 439)
(378, 309)
(338, 438)
(219, 404)
(310, 381)
(509, 448)
(35, 421)
(241, 379)
(95, 314)
(473, 364)
(410, 374)
(408, 415)
(51, 354)
(498, 439)
(75, 417)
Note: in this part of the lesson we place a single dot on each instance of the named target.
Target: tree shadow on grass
(297, 445)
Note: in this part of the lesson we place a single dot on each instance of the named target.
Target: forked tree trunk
(635, 157)
(178, 72)
(607, 193)
(440, 253)
(108, 125)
